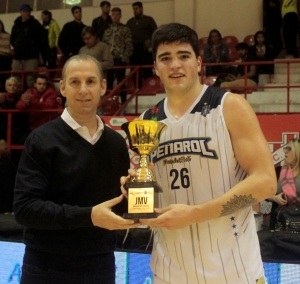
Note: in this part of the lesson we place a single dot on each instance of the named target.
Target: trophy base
(154, 184)
(137, 216)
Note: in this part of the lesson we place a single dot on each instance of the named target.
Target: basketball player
(213, 164)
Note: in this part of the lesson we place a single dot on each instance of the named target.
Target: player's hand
(173, 217)
(103, 217)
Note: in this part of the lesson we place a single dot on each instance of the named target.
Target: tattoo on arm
(237, 203)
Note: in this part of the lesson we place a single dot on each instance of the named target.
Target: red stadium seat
(231, 41)
(151, 86)
(202, 42)
(249, 39)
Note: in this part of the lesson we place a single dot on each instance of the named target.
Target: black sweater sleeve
(32, 208)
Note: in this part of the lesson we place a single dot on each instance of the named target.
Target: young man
(142, 28)
(212, 167)
(101, 23)
(99, 50)
(42, 96)
(251, 77)
(70, 40)
(119, 38)
(67, 184)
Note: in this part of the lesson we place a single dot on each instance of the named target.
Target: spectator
(273, 23)
(142, 28)
(251, 78)
(288, 187)
(8, 100)
(101, 23)
(290, 27)
(42, 96)
(52, 29)
(99, 50)
(28, 40)
(5, 55)
(216, 51)
(67, 190)
(262, 51)
(70, 40)
(7, 179)
(118, 37)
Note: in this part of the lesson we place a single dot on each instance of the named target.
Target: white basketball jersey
(195, 163)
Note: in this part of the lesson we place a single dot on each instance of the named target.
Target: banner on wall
(278, 130)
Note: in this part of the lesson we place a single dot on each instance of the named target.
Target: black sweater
(60, 177)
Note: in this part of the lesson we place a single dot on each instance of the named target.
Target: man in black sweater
(67, 192)
(70, 40)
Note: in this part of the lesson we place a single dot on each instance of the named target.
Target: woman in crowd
(288, 189)
(5, 55)
(262, 51)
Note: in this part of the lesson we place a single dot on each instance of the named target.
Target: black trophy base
(137, 216)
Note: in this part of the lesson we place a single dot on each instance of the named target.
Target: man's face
(177, 66)
(25, 15)
(105, 9)
(11, 87)
(137, 11)
(215, 38)
(115, 17)
(82, 88)
(89, 40)
(44, 17)
(77, 15)
(242, 53)
(41, 85)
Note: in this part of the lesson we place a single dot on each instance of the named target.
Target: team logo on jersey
(187, 146)
(205, 109)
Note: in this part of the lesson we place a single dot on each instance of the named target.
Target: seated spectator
(262, 51)
(42, 96)
(5, 55)
(251, 78)
(216, 51)
(288, 188)
(97, 49)
(7, 179)
(8, 100)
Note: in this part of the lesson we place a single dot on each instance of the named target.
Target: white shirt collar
(83, 130)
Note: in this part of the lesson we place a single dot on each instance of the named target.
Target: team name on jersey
(186, 146)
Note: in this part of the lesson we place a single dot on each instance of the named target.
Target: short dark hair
(213, 31)
(103, 3)
(174, 32)
(75, 8)
(116, 9)
(138, 3)
(78, 58)
(47, 13)
(41, 76)
(90, 30)
(242, 46)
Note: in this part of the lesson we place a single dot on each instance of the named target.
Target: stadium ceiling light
(72, 2)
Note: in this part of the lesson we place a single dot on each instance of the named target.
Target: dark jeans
(120, 74)
(5, 65)
(290, 30)
(45, 268)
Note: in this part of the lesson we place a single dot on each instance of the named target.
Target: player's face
(82, 88)
(11, 87)
(41, 85)
(177, 66)
(115, 17)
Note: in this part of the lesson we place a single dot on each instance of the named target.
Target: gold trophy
(143, 136)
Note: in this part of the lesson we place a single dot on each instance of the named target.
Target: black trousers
(290, 30)
(45, 268)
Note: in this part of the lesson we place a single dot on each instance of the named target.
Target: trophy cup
(143, 136)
